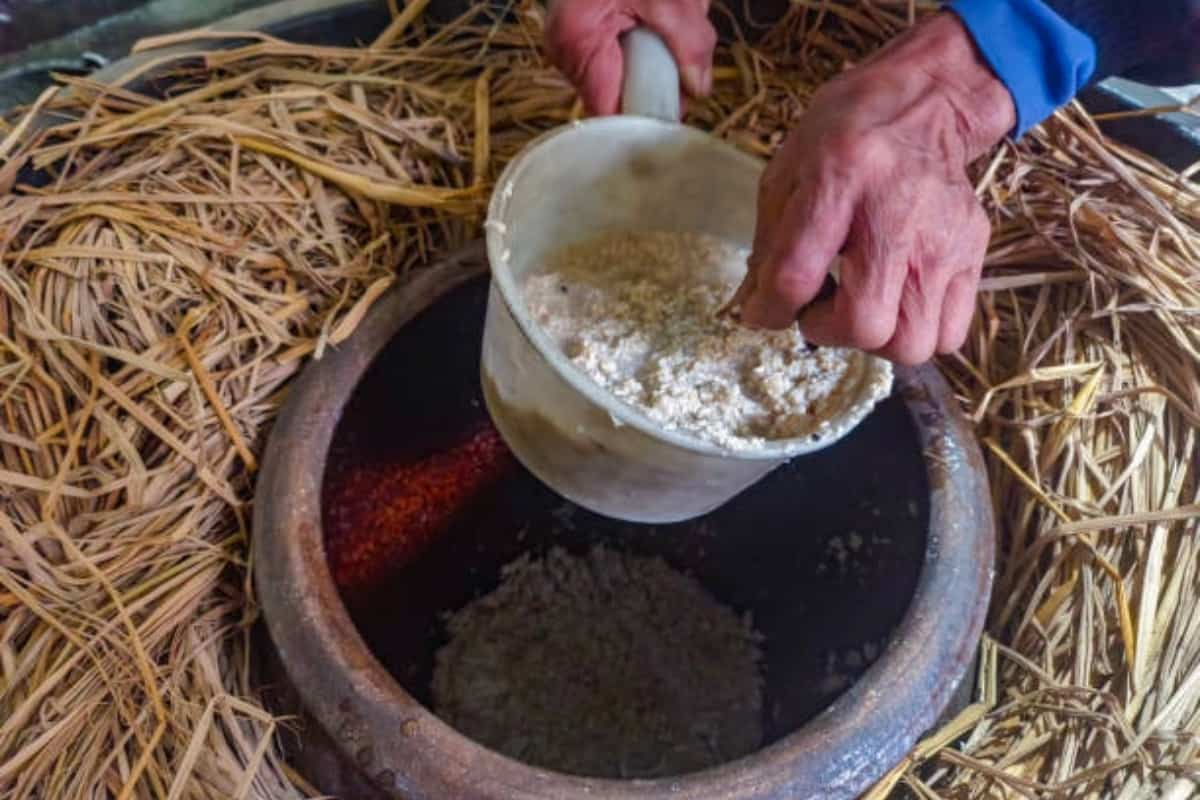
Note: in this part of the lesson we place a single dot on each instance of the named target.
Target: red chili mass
(379, 517)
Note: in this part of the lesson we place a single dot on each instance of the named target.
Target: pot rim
(410, 752)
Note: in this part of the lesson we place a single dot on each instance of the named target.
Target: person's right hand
(875, 169)
(583, 40)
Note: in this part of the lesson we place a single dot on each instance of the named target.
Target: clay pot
(915, 453)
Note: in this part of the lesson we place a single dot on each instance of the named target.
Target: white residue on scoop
(637, 313)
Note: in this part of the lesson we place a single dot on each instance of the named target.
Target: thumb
(688, 34)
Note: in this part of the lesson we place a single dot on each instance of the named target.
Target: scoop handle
(651, 84)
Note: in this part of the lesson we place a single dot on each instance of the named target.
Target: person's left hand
(583, 40)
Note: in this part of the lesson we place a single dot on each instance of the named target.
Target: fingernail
(753, 313)
(696, 79)
(733, 306)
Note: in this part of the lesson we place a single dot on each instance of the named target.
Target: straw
(185, 254)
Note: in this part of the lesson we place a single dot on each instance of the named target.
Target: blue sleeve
(1042, 59)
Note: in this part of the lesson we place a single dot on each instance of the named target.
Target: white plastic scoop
(639, 171)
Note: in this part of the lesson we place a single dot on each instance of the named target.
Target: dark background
(38, 37)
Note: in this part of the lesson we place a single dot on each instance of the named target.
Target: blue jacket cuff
(1042, 59)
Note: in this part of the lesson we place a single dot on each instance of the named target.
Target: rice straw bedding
(186, 257)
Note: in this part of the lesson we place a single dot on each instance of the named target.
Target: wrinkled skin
(875, 170)
(582, 37)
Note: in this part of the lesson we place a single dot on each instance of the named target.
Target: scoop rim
(874, 375)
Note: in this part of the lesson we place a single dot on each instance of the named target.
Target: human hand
(876, 170)
(583, 40)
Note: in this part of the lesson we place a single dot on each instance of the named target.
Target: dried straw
(187, 254)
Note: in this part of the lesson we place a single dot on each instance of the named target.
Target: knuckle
(791, 286)
(866, 327)
(911, 347)
(571, 22)
(858, 149)
(936, 270)
(954, 343)
(910, 355)
(682, 21)
(694, 51)
(926, 263)
(916, 332)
